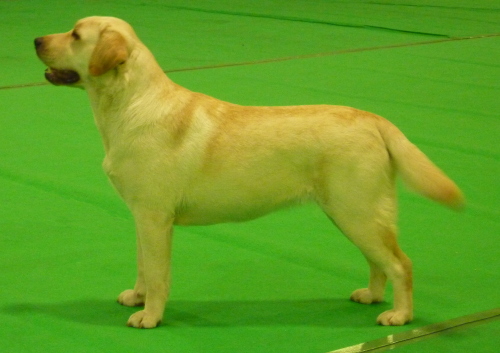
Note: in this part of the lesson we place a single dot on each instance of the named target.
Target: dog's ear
(110, 51)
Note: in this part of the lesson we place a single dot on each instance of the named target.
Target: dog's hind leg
(378, 244)
(386, 260)
(376, 287)
(364, 209)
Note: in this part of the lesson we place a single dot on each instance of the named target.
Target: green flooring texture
(280, 283)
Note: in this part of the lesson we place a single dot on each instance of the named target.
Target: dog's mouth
(61, 77)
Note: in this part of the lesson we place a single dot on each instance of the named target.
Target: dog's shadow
(184, 313)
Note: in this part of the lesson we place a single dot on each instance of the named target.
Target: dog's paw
(365, 296)
(144, 319)
(131, 297)
(394, 318)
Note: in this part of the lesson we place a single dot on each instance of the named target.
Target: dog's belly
(233, 203)
(224, 213)
(202, 216)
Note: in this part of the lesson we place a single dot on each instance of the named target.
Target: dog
(177, 157)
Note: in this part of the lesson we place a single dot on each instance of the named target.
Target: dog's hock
(111, 50)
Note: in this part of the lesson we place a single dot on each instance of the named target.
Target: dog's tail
(417, 170)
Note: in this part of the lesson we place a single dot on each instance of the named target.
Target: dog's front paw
(144, 319)
(394, 318)
(131, 297)
(365, 296)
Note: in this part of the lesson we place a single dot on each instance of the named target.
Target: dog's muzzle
(56, 76)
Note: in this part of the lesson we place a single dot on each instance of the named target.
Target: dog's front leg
(154, 240)
(136, 296)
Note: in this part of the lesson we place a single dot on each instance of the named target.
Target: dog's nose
(38, 42)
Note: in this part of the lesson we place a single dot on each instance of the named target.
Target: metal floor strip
(419, 334)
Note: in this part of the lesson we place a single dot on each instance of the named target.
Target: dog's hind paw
(143, 319)
(365, 296)
(131, 297)
(394, 318)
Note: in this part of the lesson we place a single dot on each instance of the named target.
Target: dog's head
(94, 47)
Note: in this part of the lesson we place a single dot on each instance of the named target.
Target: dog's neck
(112, 99)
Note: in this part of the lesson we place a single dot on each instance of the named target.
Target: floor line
(279, 17)
(333, 53)
(419, 334)
(295, 57)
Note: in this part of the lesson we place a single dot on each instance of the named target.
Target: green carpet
(280, 283)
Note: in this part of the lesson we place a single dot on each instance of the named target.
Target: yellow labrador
(179, 157)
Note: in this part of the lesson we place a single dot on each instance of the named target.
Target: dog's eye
(75, 35)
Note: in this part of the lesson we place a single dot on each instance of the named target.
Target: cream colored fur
(179, 157)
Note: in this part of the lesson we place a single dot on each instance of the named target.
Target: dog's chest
(126, 173)
(126, 177)
(114, 174)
